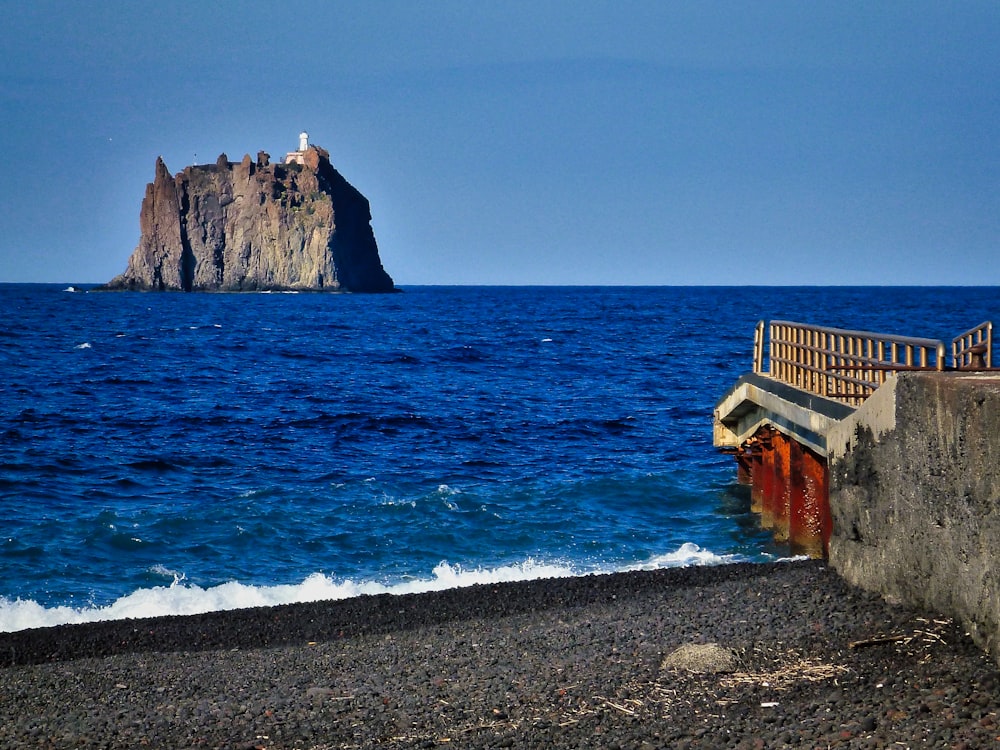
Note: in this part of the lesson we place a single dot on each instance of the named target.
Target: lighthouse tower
(297, 157)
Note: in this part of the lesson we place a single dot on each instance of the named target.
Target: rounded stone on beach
(701, 658)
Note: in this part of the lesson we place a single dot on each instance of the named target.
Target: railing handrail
(906, 340)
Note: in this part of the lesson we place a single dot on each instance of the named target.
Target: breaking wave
(182, 598)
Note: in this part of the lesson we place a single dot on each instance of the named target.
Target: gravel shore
(808, 662)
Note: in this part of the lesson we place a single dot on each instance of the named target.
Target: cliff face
(255, 226)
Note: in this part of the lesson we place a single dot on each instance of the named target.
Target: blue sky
(529, 142)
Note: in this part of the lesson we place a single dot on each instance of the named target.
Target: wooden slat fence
(841, 364)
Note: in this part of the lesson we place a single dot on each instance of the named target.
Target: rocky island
(255, 226)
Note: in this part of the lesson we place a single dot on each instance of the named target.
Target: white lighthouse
(298, 157)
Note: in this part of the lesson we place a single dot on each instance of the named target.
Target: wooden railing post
(758, 347)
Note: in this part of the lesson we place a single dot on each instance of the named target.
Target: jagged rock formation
(252, 226)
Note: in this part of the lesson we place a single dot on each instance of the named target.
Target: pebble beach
(791, 656)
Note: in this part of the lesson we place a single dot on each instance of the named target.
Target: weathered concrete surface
(757, 400)
(915, 496)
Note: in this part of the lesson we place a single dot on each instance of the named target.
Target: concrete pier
(778, 434)
(900, 488)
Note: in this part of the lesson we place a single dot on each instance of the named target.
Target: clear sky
(531, 142)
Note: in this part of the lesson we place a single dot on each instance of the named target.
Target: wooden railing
(840, 364)
(973, 350)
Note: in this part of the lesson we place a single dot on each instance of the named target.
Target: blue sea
(180, 453)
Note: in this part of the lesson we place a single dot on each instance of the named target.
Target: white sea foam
(685, 555)
(84, 345)
(793, 558)
(183, 598)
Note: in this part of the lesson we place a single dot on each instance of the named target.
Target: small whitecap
(546, 341)
(84, 345)
(162, 570)
(394, 502)
(793, 558)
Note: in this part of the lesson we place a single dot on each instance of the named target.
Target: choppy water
(172, 453)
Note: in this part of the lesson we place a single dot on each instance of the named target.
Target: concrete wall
(915, 496)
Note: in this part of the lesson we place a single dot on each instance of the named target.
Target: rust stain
(789, 489)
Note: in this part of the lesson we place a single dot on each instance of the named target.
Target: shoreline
(354, 615)
(564, 662)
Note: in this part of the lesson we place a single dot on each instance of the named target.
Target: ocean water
(178, 453)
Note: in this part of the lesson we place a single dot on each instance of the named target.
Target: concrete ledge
(915, 496)
(756, 400)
